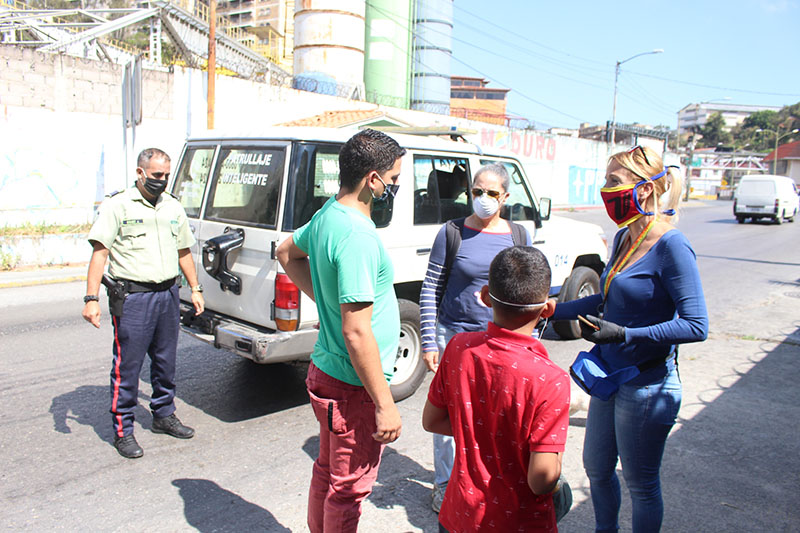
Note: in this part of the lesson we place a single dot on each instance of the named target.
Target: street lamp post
(778, 137)
(616, 79)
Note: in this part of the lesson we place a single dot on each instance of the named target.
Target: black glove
(606, 333)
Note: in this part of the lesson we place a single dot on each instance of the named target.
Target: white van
(244, 194)
(765, 196)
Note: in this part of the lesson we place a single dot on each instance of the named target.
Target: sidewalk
(33, 275)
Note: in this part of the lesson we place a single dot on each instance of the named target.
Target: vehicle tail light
(777, 204)
(287, 303)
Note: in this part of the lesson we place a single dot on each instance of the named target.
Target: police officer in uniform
(145, 237)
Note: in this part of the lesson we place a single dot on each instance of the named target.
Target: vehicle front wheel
(581, 283)
(409, 367)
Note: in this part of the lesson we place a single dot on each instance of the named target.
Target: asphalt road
(731, 463)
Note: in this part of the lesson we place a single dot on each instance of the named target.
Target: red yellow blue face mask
(622, 202)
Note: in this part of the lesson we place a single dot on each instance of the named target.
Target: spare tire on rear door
(581, 283)
(409, 367)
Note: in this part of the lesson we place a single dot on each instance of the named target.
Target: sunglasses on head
(477, 191)
(639, 147)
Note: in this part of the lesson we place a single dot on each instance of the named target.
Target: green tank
(387, 52)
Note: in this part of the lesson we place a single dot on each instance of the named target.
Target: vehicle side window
(246, 186)
(190, 182)
(519, 205)
(316, 179)
(441, 186)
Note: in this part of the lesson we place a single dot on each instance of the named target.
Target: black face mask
(383, 201)
(154, 187)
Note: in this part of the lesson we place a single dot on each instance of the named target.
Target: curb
(42, 281)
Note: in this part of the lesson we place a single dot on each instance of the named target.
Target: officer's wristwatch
(198, 288)
(91, 298)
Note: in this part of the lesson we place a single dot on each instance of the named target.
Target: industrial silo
(433, 29)
(329, 43)
(387, 62)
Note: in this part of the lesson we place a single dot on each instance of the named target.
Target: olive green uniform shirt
(142, 240)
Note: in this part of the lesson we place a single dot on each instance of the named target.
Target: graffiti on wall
(584, 185)
(529, 145)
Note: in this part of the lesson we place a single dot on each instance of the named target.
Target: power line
(764, 93)
(523, 95)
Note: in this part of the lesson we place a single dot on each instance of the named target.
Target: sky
(558, 57)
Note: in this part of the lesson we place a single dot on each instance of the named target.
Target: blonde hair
(644, 162)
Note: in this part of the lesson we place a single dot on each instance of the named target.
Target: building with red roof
(788, 157)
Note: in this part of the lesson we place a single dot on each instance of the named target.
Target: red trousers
(349, 457)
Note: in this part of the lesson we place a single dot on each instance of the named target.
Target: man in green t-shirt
(339, 261)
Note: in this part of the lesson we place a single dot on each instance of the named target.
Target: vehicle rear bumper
(261, 346)
(758, 211)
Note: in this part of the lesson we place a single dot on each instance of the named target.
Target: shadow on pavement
(738, 456)
(732, 466)
(233, 389)
(88, 405)
(210, 508)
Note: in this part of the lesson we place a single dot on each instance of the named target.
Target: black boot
(172, 426)
(128, 447)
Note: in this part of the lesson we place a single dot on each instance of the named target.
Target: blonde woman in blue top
(651, 300)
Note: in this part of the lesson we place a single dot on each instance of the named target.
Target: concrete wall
(64, 147)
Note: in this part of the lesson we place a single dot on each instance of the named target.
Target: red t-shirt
(505, 399)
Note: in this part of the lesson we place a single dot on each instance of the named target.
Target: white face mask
(485, 206)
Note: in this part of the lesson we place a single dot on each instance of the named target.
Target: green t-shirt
(348, 265)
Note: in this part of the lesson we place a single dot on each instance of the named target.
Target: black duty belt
(144, 286)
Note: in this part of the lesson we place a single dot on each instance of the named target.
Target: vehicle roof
(764, 177)
(287, 133)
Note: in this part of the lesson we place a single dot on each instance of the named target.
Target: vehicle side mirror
(544, 208)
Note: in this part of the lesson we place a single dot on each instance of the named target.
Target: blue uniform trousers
(149, 325)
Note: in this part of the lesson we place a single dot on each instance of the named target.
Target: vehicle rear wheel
(581, 283)
(409, 367)
(778, 219)
(740, 219)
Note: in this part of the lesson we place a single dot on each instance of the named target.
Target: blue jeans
(633, 425)
(444, 449)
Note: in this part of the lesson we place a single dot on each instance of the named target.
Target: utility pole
(212, 60)
(616, 79)
(689, 163)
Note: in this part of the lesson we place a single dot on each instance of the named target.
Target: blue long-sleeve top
(457, 306)
(659, 299)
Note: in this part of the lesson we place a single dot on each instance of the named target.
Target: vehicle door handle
(538, 242)
(423, 251)
(192, 228)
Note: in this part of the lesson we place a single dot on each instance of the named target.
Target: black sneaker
(128, 447)
(172, 426)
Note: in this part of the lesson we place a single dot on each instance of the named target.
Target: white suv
(244, 195)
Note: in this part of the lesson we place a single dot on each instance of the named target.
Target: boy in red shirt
(507, 406)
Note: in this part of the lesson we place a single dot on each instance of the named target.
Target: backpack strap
(517, 234)
(452, 233)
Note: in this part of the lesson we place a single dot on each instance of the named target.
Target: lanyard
(624, 259)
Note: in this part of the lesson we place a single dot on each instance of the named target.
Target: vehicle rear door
(239, 229)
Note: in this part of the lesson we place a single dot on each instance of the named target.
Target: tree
(714, 131)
